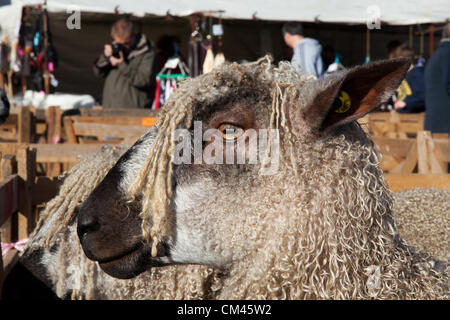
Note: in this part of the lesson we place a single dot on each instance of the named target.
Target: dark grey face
(109, 227)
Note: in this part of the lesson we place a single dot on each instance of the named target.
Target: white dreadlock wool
(154, 180)
(336, 233)
(54, 252)
(330, 236)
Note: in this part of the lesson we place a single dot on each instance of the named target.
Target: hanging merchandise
(157, 95)
(212, 61)
(219, 59)
(25, 54)
(196, 50)
(14, 65)
(35, 59)
(166, 81)
(208, 64)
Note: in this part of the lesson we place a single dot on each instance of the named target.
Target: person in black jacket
(411, 93)
(437, 87)
(4, 106)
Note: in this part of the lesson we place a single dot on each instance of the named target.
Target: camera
(116, 49)
(105, 65)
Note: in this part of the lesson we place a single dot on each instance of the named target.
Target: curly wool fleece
(81, 278)
(329, 235)
(55, 256)
(322, 227)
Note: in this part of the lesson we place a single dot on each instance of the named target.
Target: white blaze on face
(138, 153)
(191, 244)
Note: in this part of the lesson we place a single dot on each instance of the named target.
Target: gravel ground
(423, 220)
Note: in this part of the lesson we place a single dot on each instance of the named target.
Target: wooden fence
(419, 162)
(393, 124)
(23, 193)
(81, 129)
(17, 203)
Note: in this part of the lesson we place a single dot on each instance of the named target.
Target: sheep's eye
(230, 132)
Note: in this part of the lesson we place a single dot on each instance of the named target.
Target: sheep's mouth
(130, 263)
(121, 256)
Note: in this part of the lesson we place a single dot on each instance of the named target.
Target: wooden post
(8, 166)
(431, 39)
(422, 153)
(26, 125)
(410, 162)
(70, 132)
(53, 119)
(428, 160)
(26, 168)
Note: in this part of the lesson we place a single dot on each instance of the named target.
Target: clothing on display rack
(166, 81)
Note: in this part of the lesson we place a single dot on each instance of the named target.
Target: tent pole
(421, 44)
(431, 39)
(411, 36)
(367, 45)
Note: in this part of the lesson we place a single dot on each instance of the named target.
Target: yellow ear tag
(342, 102)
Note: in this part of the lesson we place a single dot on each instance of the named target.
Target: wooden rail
(425, 154)
(98, 111)
(49, 153)
(398, 182)
(18, 215)
(419, 162)
(393, 124)
(123, 129)
(20, 127)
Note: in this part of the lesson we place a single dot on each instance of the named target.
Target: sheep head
(199, 211)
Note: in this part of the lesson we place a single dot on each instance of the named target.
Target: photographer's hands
(116, 61)
(108, 52)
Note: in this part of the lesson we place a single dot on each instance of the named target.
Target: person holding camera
(126, 64)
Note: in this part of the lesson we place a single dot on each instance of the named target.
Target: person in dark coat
(437, 87)
(128, 75)
(4, 106)
(411, 93)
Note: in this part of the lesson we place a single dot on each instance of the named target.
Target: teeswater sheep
(423, 220)
(320, 226)
(54, 254)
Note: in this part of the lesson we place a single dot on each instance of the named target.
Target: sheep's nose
(87, 224)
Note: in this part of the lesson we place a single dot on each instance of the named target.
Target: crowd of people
(128, 66)
(426, 87)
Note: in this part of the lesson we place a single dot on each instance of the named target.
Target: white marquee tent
(404, 12)
(252, 27)
(335, 11)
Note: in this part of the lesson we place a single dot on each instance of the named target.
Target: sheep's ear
(351, 94)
